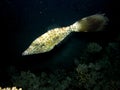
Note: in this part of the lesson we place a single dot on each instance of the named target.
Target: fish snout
(25, 53)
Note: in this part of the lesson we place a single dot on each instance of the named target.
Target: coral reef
(97, 68)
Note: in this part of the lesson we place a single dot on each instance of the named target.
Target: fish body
(53, 37)
(47, 41)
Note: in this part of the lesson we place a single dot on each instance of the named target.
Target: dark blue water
(25, 20)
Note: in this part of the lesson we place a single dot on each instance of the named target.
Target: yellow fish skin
(53, 37)
(47, 41)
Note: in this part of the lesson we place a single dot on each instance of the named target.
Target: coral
(26, 80)
(93, 47)
(29, 81)
(102, 73)
(92, 71)
(88, 75)
(10, 88)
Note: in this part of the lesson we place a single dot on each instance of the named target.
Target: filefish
(47, 41)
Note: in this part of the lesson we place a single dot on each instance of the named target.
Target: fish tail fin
(90, 24)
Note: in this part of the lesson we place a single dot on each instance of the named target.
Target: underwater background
(73, 59)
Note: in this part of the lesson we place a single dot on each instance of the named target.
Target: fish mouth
(25, 53)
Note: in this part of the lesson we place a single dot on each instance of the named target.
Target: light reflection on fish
(53, 37)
